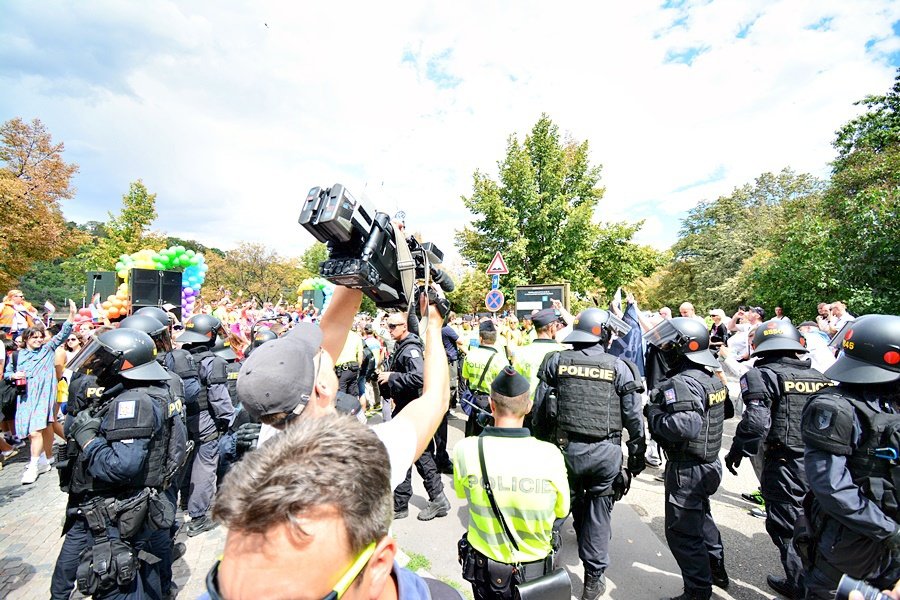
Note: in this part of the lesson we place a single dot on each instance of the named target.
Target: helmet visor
(664, 336)
(95, 359)
(617, 325)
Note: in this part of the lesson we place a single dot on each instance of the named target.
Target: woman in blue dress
(34, 412)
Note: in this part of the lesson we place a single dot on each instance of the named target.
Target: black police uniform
(775, 392)
(407, 367)
(597, 395)
(855, 488)
(128, 462)
(686, 416)
(214, 417)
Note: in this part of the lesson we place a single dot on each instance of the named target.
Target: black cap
(544, 317)
(509, 383)
(487, 326)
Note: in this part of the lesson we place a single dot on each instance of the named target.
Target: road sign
(495, 282)
(497, 266)
(494, 300)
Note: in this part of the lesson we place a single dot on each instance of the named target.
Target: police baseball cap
(280, 374)
(544, 317)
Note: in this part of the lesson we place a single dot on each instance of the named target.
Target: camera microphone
(442, 279)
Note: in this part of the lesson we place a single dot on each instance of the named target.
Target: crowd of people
(257, 417)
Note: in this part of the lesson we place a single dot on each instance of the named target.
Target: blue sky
(230, 112)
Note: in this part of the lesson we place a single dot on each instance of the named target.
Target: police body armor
(232, 369)
(130, 416)
(213, 378)
(588, 403)
(869, 464)
(795, 385)
(705, 447)
(183, 364)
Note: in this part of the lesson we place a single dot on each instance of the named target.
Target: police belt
(614, 437)
(682, 456)
(526, 571)
(347, 366)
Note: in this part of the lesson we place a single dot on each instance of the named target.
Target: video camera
(364, 253)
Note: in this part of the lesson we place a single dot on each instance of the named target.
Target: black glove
(733, 461)
(246, 436)
(621, 485)
(84, 428)
(636, 463)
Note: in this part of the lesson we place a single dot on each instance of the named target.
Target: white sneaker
(44, 468)
(30, 475)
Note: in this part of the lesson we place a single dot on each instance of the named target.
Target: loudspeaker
(170, 287)
(144, 287)
(100, 282)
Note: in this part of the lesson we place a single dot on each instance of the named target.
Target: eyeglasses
(339, 589)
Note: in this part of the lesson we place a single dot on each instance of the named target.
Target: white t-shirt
(397, 435)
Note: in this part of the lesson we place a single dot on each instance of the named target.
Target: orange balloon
(113, 313)
(111, 298)
(106, 305)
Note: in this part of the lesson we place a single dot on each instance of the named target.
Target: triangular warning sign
(497, 266)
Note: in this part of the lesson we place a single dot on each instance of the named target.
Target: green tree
(875, 131)
(312, 257)
(34, 180)
(539, 214)
(468, 295)
(253, 270)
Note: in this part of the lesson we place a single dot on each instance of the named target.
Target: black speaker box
(149, 287)
(100, 282)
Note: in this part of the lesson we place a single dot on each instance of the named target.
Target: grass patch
(465, 591)
(417, 562)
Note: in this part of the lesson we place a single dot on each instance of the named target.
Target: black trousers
(146, 584)
(783, 484)
(348, 381)
(430, 477)
(691, 533)
(441, 457)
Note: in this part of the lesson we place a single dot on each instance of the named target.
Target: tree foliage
(253, 270)
(468, 295)
(34, 179)
(539, 214)
(875, 131)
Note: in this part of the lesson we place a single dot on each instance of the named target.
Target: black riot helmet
(594, 325)
(260, 337)
(683, 336)
(775, 335)
(223, 350)
(157, 331)
(128, 353)
(155, 312)
(200, 329)
(870, 351)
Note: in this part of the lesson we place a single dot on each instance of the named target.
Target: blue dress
(35, 409)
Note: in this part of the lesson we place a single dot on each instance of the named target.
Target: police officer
(491, 550)
(402, 383)
(480, 367)
(528, 358)
(159, 333)
(852, 437)
(775, 391)
(123, 454)
(686, 415)
(596, 395)
(260, 337)
(214, 416)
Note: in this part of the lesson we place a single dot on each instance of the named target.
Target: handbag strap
(486, 484)
(483, 373)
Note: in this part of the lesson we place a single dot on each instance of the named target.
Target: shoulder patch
(824, 418)
(669, 396)
(744, 386)
(125, 410)
(414, 353)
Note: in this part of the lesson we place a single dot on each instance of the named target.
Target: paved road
(642, 567)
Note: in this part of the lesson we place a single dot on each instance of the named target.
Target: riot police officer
(596, 395)
(775, 391)
(852, 437)
(121, 455)
(260, 337)
(686, 415)
(214, 416)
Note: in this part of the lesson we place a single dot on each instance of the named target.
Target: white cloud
(231, 112)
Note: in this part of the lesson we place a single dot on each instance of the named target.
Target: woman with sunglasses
(64, 354)
(34, 413)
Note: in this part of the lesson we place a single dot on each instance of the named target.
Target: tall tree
(253, 270)
(312, 257)
(875, 131)
(539, 214)
(34, 179)
(468, 295)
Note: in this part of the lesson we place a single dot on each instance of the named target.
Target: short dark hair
(488, 337)
(332, 461)
(515, 406)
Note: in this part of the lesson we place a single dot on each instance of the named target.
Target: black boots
(719, 575)
(594, 585)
